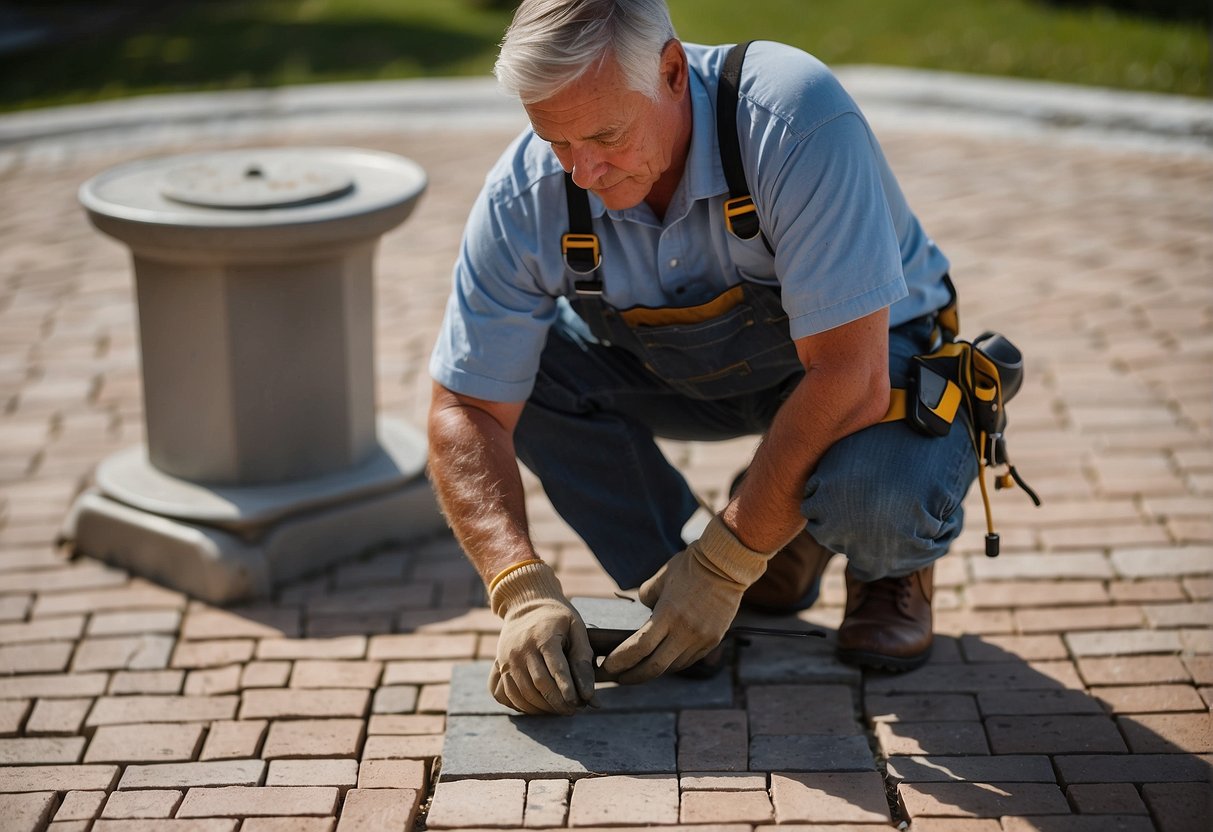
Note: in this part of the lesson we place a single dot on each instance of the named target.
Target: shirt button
(673, 262)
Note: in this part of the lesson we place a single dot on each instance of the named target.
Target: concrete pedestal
(264, 459)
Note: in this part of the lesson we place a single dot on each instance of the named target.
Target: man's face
(616, 142)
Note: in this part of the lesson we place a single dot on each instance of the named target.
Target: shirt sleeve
(837, 254)
(497, 317)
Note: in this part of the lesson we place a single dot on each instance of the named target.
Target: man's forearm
(838, 396)
(476, 477)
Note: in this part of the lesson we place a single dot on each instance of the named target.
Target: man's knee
(891, 504)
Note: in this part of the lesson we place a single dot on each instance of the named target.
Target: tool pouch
(981, 377)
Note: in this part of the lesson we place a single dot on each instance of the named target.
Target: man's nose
(588, 167)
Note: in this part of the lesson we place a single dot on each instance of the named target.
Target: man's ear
(674, 72)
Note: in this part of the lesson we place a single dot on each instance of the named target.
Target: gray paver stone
(522, 746)
(470, 693)
(1133, 768)
(810, 752)
(776, 660)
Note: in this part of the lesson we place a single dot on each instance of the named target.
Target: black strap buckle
(741, 217)
(582, 253)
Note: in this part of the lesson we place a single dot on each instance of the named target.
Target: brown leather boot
(792, 578)
(888, 622)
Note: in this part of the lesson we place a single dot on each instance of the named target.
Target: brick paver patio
(1070, 688)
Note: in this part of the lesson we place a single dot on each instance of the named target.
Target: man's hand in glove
(694, 598)
(544, 660)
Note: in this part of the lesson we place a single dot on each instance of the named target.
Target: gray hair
(551, 43)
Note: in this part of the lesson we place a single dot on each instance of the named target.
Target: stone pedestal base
(227, 544)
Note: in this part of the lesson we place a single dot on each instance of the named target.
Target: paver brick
(379, 810)
(990, 769)
(80, 805)
(136, 652)
(250, 801)
(204, 622)
(807, 752)
(66, 628)
(45, 657)
(982, 800)
(1123, 642)
(1054, 734)
(57, 778)
(1033, 702)
(393, 774)
(145, 743)
(143, 803)
(1106, 799)
(417, 646)
(1132, 768)
(137, 622)
(26, 751)
(978, 678)
(118, 710)
(32, 811)
(801, 709)
(1140, 699)
(265, 674)
(192, 775)
(433, 699)
(932, 738)
(167, 825)
(995, 648)
(213, 681)
(408, 747)
(336, 674)
(712, 740)
(1180, 807)
(925, 707)
(275, 703)
(57, 716)
(1163, 562)
(1036, 594)
(340, 773)
(422, 672)
(622, 800)
(1179, 615)
(1150, 589)
(134, 597)
(478, 803)
(288, 824)
(1201, 668)
(233, 739)
(727, 807)
(406, 724)
(157, 682)
(398, 699)
(1133, 670)
(1078, 823)
(341, 647)
(196, 654)
(547, 803)
(829, 797)
(313, 738)
(1074, 619)
(722, 781)
(1166, 733)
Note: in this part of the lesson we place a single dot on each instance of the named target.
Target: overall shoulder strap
(579, 245)
(740, 215)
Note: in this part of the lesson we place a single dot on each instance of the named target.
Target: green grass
(230, 44)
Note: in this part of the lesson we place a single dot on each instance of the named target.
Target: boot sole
(879, 661)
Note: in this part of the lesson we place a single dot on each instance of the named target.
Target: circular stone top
(251, 181)
(251, 189)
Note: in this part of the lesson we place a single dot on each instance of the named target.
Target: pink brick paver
(1072, 692)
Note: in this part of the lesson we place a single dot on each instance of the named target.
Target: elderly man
(661, 314)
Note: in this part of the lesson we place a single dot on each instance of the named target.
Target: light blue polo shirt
(846, 243)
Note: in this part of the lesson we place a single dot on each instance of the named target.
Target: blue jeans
(888, 497)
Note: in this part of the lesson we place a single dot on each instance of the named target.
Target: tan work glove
(694, 598)
(544, 660)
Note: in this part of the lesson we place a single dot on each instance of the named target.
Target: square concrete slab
(525, 746)
(470, 693)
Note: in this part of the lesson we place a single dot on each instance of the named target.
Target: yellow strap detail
(897, 406)
(514, 567)
(665, 316)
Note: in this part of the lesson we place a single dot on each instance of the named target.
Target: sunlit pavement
(1071, 683)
